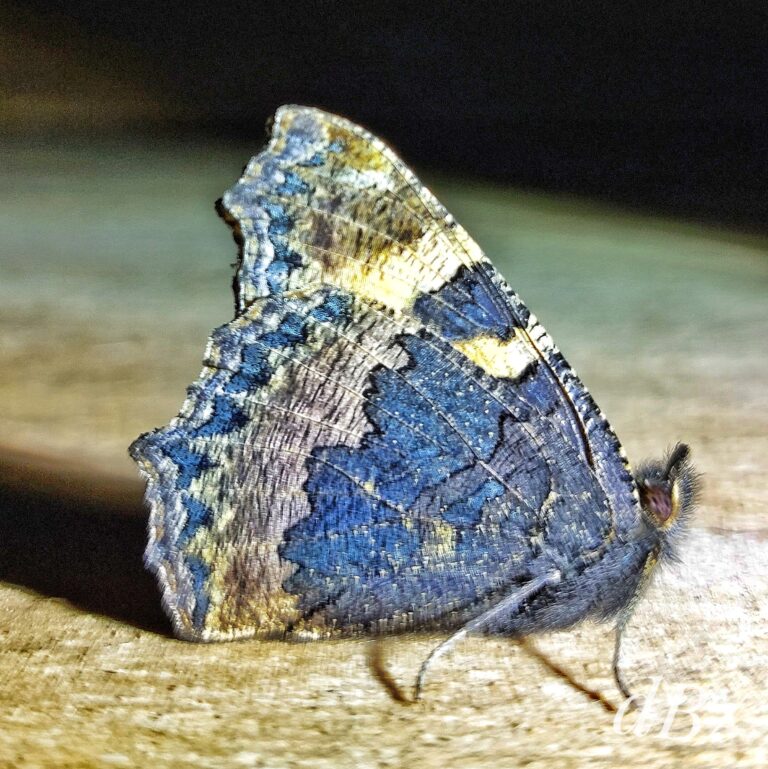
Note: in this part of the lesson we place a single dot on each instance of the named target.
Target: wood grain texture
(115, 268)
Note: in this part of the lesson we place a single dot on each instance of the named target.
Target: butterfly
(384, 438)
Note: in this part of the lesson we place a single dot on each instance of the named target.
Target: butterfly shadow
(73, 534)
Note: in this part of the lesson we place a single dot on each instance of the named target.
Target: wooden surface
(115, 268)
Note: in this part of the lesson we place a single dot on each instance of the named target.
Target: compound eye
(660, 499)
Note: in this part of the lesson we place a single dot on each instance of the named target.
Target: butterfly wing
(384, 436)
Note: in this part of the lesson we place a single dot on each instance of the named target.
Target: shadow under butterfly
(384, 438)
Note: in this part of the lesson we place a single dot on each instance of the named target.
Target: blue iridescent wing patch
(384, 437)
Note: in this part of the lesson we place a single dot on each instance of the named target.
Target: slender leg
(618, 677)
(506, 605)
(621, 624)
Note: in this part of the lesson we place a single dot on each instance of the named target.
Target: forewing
(384, 436)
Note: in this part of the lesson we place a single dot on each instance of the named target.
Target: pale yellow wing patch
(500, 358)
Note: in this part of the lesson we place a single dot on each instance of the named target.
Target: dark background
(660, 107)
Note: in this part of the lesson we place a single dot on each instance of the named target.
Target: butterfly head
(668, 491)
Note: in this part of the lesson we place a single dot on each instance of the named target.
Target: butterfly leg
(621, 625)
(618, 676)
(506, 605)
